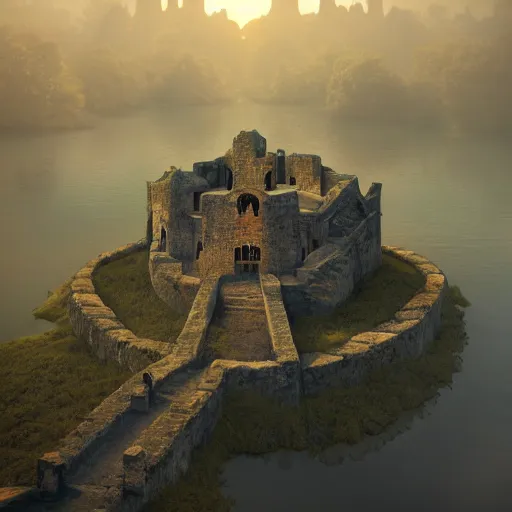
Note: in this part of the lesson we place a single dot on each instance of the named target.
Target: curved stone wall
(175, 288)
(405, 337)
(95, 323)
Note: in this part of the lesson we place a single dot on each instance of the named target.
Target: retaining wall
(163, 451)
(95, 323)
(405, 337)
(89, 436)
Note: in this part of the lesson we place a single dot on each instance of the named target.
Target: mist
(411, 63)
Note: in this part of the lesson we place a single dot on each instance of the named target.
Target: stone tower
(285, 8)
(375, 8)
(148, 9)
(327, 7)
(193, 8)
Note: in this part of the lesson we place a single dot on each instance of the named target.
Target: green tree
(363, 89)
(37, 88)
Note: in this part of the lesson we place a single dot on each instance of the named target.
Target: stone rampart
(95, 323)
(405, 337)
(162, 453)
(92, 320)
(170, 283)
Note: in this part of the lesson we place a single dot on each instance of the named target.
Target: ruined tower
(375, 8)
(148, 10)
(285, 8)
(327, 7)
(194, 8)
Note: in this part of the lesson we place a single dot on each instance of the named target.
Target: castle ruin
(256, 212)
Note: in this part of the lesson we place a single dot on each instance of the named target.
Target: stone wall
(274, 231)
(307, 171)
(406, 336)
(98, 325)
(170, 283)
(329, 274)
(171, 202)
(163, 452)
(90, 435)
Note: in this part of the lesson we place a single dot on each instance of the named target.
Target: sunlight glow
(242, 11)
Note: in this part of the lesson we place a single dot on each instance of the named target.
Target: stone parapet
(95, 323)
(407, 336)
(170, 283)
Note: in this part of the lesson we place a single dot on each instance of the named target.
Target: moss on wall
(251, 424)
(375, 301)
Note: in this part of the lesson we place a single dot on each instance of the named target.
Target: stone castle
(309, 236)
(252, 211)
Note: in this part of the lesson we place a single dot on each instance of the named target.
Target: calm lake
(66, 197)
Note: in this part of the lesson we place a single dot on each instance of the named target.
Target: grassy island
(41, 400)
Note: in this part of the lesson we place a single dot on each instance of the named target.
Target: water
(66, 197)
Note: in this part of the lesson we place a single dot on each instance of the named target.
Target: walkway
(239, 330)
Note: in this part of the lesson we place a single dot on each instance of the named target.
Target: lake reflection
(66, 197)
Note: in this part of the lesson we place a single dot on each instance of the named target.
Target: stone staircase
(241, 322)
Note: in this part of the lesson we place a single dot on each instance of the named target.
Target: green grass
(49, 383)
(125, 287)
(251, 424)
(376, 301)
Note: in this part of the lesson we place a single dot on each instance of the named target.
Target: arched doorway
(163, 240)
(247, 259)
(246, 200)
(229, 178)
(268, 180)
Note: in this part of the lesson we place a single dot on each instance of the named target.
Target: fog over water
(73, 195)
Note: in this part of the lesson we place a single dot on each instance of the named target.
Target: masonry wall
(89, 436)
(172, 202)
(407, 336)
(275, 231)
(307, 171)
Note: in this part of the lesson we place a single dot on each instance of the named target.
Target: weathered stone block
(139, 400)
(50, 473)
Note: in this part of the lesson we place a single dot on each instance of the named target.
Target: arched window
(245, 200)
(163, 240)
(268, 180)
(199, 249)
(229, 178)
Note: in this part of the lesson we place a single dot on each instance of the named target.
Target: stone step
(243, 300)
(241, 293)
(243, 307)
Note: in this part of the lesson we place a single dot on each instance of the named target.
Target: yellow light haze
(242, 11)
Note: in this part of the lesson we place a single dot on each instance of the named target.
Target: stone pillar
(50, 474)
(134, 465)
(140, 398)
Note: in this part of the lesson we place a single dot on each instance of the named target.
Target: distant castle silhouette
(150, 9)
